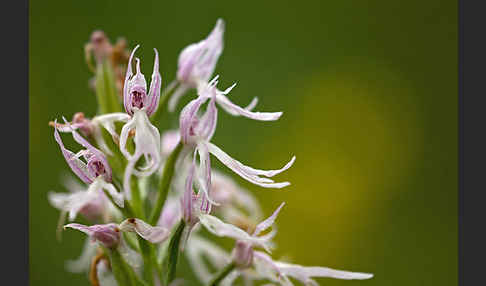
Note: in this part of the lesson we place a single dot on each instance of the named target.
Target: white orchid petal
(246, 172)
(237, 110)
(304, 273)
(268, 222)
(222, 229)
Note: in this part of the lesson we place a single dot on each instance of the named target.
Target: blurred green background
(369, 94)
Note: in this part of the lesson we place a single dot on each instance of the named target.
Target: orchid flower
(96, 162)
(109, 234)
(244, 240)
(196, 132)
(244, 256)
(197, 62)
(196, 65)
(154, 234)
(140, 105)
(96, 172)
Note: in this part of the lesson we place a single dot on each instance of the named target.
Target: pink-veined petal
(188, 118)
(187, 208)
(248, 173)
(108, 234)
(207, 123)
(234, 109)
(155, 84)
(126, 85)
(99, 155)
(76, 165)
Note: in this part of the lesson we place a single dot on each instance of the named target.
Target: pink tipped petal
(97, 153)
(197, 61)
(214, 48)
(83, 228)
(187, 60)
(207, 124)
(155, 84)
(234, 109)
(187, 208)
(126, 85)
(188, 118)
(107, 234)
(268, 222)
(76, 165)
(154, 234)
(245, 172)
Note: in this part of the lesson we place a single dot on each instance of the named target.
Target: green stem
(222, 274)
(132, 243)
(106, 89)
(170, 260)
(164, 185)
(146, 251)
(136, 199)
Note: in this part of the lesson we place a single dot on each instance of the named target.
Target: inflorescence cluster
(148, 195)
